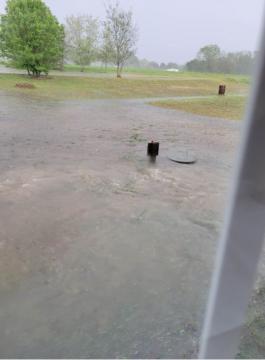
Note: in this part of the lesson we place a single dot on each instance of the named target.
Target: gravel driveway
(104, 254)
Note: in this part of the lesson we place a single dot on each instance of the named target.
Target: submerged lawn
(229, 107)
(138, 86)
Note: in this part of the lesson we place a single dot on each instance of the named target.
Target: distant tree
(81, 39)
(172, 65)
(121, 35)
(210, 55)
(144, 63)
(245, 62)
(196, 65)
(154, 65)
(30, 36)
(162, 66)
(210, 58)
(133, 61)
(207, 52)
(106, 54)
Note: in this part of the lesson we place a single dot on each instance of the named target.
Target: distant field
(112, 70)
(230, 107)
(154, 72)
(132, 85)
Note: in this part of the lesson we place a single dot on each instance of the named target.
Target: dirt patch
(25, 86)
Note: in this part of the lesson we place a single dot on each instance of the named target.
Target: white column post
(242, 238)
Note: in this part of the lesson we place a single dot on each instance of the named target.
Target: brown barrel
(221, 90)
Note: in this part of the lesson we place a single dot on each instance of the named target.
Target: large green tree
(30, 36)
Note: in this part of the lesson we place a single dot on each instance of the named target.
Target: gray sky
(174, 30)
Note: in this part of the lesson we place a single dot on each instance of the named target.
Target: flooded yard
(104, 254)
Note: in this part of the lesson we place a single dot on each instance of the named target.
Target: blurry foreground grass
(229, 107)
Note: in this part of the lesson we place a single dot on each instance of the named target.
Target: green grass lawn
(229, 107)
(132, 85)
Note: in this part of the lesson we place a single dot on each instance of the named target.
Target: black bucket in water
(153, 149)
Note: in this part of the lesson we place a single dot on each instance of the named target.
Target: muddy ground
(104, 254)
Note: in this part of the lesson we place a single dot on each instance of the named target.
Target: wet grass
(229, 107)
(140, 86)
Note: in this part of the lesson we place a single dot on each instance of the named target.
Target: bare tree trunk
(118, 71)
(35, 72)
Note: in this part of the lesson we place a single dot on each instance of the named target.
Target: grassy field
(229, 107)
(130, 86)
(135, 71)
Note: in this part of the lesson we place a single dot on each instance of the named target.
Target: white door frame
(243, 233)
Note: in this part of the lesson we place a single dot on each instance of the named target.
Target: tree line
(144, 63)
(32, 38)
(210, 58)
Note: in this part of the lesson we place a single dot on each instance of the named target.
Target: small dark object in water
(153, 149)
(221, 90)
(182, 157)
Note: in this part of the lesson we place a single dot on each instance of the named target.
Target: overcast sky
(174, 30)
